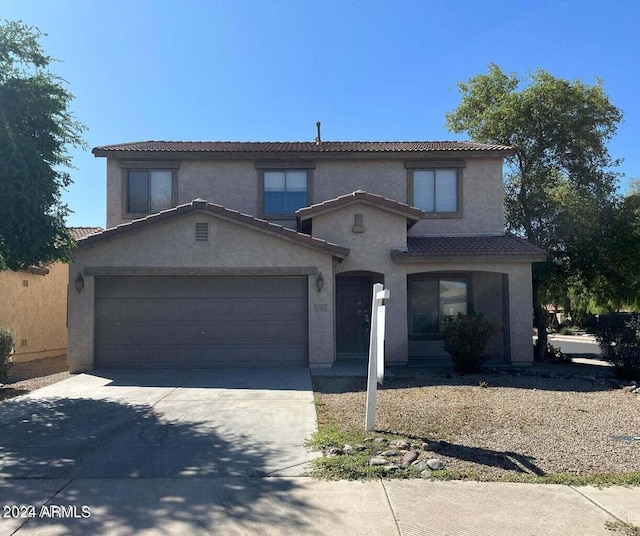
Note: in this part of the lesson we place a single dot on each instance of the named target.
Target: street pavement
(583, 345)
(215, 452)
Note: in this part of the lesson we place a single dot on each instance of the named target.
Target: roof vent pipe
(318, 138)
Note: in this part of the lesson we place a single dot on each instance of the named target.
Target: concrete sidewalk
(299, 505)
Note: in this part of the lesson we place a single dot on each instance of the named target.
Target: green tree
(36, 129)
(617, 283)
(560, 176)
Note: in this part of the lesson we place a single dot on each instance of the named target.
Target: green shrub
(618, 335)
(565, 330)
(6, 347)
(467, 339)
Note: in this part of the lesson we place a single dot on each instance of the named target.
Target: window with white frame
(436, 190)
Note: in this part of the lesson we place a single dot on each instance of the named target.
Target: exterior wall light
(79, 283)
(319, 282)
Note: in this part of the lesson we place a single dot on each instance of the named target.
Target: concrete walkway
(221, 452)
(298, 505)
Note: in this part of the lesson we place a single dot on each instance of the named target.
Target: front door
(353, 298)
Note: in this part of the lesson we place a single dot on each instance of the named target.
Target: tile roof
(464, 246)
(410, 212)
(299, 147)
(203, 206)
(80, 232)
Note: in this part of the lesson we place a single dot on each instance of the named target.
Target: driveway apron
(161, 424)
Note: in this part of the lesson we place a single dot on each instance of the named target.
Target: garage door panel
(268, 308)
(125, 356)
(166, 322)
(215, 308)
(183, 357)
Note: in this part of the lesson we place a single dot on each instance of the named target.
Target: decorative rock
(435, 464)
(425, 474)
(334, 451)
(410, 456)
(367, 439)
(381, 440)
(629, 388)
(347, 449)
(389, 453)
(402, 445)
(415, 445)
(360, 447)
(389, 468)
(378, 461)
(421, 465)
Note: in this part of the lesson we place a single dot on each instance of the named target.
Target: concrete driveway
(161, 424)
(219, 452)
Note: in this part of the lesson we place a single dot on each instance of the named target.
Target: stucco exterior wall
(334, 178)
(234, 184)
(36, 313)
(482, 203)
(171, 244)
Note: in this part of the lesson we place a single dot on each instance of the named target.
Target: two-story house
(264, 254)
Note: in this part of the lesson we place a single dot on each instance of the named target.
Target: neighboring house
(264, 254)
(33, 306)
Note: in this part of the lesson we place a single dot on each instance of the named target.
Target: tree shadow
(11, 392)
(138, 469)
(506, 460)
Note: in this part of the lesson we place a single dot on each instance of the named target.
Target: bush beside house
(467, 339)
(6, 347)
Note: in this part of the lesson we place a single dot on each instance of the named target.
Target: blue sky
(249, 70)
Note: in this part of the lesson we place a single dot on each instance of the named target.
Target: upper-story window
(284, 188)
(149, 190)
(285, 191)
(148, 186)
(436, 188)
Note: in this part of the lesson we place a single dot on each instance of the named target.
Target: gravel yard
(25, 377)
(514, 425)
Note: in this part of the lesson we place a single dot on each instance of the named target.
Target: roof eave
(335, 250)
(403, 257)
(279, 155)
(308, 215)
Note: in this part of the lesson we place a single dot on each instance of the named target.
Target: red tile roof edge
(293, 146)
(410, 212)
(202, 205)
(459, 246)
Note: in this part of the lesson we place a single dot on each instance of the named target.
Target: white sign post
(376, 353)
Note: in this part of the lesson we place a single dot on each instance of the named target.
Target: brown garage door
(208, 322)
